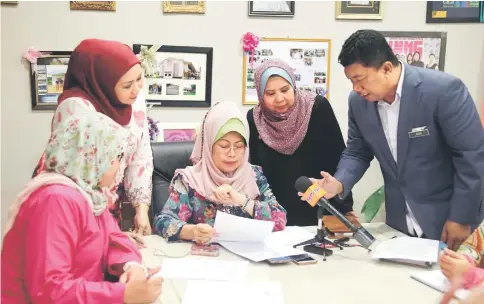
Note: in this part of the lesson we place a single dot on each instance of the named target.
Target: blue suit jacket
(440, 176)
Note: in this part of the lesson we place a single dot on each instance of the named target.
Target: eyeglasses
(226, 148)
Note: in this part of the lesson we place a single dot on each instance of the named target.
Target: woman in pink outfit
(61, 240)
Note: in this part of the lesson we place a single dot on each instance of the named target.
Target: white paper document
(203, 269)
(260, 251)
(408, 249)
(197, 292)
(231, 228)
(436, 280)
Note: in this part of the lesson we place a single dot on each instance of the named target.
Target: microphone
(315, 196)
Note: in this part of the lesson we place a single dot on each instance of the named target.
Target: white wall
(52, 26)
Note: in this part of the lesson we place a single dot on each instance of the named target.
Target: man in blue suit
(423, 127)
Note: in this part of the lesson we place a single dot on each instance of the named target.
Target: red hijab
(94, 69)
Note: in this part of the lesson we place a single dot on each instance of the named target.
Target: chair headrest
(169, 156)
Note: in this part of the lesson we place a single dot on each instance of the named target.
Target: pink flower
(31, 55)
(251, 42)
(184, 213)
(139, 117)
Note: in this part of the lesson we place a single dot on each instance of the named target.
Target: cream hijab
(204, 176)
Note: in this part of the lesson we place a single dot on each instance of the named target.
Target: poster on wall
(422, 49)
(47, 81)
(454, 11)
(309, 57)
(176, 76)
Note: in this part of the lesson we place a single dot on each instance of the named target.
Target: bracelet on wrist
(247, 201)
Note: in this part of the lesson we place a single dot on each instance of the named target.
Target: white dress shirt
(389, 114)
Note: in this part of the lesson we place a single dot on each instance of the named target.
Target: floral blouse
(473, 250)
(186, 206)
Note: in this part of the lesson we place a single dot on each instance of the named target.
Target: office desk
(348, 276)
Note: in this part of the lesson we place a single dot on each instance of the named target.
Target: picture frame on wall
(8, 3)
(455, 11)
(422, 49)
(309, 57)
(109, 6)
(176, 76)
(47, 80)
(171, 132)
(272, 8)
(184, 7)
(359, 10)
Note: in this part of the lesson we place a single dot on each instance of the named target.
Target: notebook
(436, 280)
(408, 250)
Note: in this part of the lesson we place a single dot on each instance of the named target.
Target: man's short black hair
(367, 47)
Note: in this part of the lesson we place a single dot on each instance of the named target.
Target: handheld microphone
(314, 195)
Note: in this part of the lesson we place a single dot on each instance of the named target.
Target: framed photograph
(309, 57)
(454, 11)
(272, 8)
(359, 10)
(177, 76)
(422, 49)
(187, 7)
(8, 3)
(47, 83)
(93, 6)
(170, 132)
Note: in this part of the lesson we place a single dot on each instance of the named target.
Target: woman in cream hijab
(221, 179)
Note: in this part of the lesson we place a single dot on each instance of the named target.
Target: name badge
(419, 132)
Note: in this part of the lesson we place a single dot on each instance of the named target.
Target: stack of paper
(436, 280)
(203, 269)
(210, 292)
(408, 250)
(254, 240)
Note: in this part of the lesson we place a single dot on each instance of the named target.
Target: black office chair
(167, 157)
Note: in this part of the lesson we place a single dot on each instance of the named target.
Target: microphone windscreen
(302, 184)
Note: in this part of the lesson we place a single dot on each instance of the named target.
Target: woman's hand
(453, 265)
(143, 290)
(136, 238)
(141, 220)
(225, 195)
(203, 233)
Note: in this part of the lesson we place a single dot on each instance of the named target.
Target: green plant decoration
(373, 204)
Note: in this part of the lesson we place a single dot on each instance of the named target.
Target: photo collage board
(309, 57)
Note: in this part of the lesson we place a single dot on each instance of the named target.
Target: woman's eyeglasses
(226, 148)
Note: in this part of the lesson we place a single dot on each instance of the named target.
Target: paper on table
(260, 251)
(408, 249)
(436, 280)
(231, 228)
(278, 244)
(203, 269)
(196, 292)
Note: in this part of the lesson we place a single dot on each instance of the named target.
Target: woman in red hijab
(105, 76)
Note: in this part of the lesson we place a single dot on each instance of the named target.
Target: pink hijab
(203, 176)
(283, 133)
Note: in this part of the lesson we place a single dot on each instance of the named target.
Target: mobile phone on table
(286, 259)
(305, 260)
(206, 250)
(280, 260)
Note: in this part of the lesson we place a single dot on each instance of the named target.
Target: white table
(348, 276)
